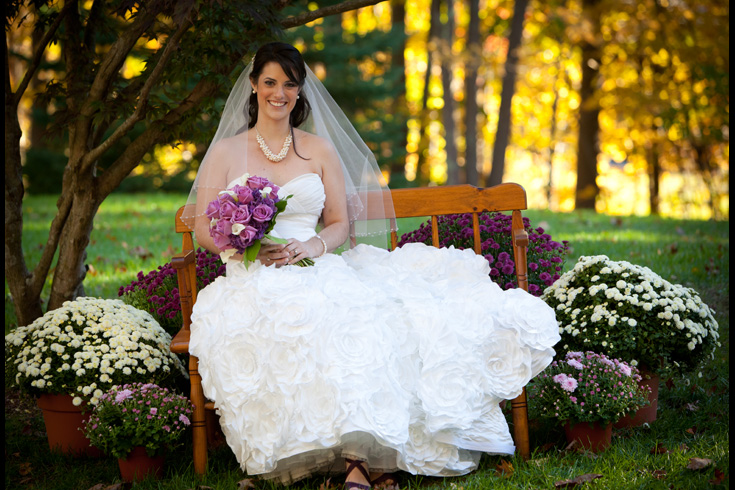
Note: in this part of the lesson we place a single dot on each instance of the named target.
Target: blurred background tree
(619, 107)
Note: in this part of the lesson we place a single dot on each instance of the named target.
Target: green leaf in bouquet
(251, 253)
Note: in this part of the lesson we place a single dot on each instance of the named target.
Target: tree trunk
(704, 164)
(589, 125)
(70, 271)
(470, 89)
(654, 177)
(398, 165)
(448, 109)
(423, 172)
(26, 304)
(502, 136)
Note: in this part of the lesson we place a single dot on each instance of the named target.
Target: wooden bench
(427, 201)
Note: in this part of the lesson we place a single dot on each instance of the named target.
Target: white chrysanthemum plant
(87, 346)
(629, 312)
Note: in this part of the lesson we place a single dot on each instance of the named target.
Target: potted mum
(629, 312)
(71, 355)
(587, 393)
(137, 423)
(545, 256)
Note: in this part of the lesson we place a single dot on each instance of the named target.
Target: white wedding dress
(398, 358)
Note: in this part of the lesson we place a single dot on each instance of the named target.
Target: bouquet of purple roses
(242, 216)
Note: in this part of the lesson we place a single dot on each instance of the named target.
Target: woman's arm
(211, 183)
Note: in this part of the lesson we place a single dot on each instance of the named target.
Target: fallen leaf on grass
(577, 481)
(114, 486)
(699, 463)
(692, 407)
(25, 469)
(504, 469)
(659, 474)
(328, 485)
(547, 447)
(573, 446)
(659, 449)
(169, 252)
(683, 448)
(719, 477)
(141, 252)
(694, 430)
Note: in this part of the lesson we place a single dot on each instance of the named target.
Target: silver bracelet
(323, 243)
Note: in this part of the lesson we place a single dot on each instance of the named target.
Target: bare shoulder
(315, 146)
(233, 145)
(227, 152)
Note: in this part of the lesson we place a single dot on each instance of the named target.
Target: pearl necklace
(267, 151)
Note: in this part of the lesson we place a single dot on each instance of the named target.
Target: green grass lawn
(134, 233)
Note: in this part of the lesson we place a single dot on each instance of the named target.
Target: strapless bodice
(304, 208)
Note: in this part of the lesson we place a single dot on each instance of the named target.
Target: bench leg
(199, 429)
(519, 408)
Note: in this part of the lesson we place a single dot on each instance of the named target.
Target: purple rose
(262, 213)
(245, 238)
(241, 215)
(244, 194)
(221, 234)
(258, 183)
(227, 209)
(213, 209)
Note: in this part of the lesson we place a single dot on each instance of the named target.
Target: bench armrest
(185, 265)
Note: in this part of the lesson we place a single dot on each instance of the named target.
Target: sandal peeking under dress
(356, 464)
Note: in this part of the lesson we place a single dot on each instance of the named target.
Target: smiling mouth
(276, 104)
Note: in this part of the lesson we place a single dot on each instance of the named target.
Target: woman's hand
(290, 253)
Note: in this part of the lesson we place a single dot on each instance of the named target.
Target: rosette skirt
(398, 358)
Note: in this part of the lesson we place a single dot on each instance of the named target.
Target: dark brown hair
(293, 66)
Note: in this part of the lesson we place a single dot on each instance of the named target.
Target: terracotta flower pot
(139, 466)
(594, 436)
(646, 414)
(64, 426)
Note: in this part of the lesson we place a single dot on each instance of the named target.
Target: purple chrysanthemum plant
(158, 291)
(545, 256)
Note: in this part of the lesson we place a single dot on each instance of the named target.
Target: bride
(370, 361)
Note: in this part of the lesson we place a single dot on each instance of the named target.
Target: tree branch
(36, 59)
(339, 8)
(129, 159)
(40, 272)
(117, 54)
(140, 109)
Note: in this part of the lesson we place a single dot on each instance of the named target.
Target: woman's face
(276, 92)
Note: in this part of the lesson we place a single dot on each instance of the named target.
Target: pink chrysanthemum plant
(588, 387)
(138, 414)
